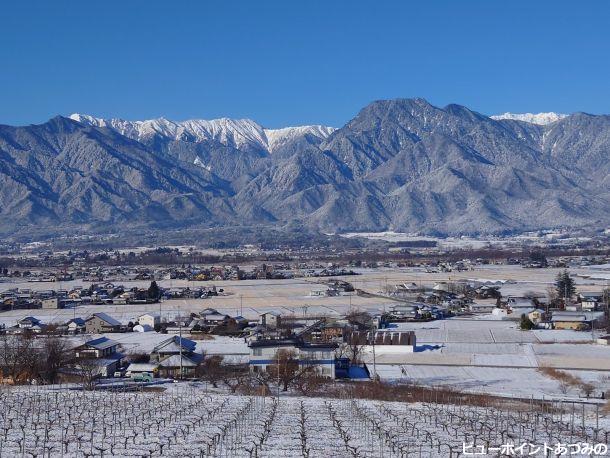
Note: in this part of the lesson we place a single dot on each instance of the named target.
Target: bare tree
(310, 383)
(552, 296)
(360, 319)
(210, 370)
(54, 355)
(587, 389)
(353, 346)
(235, 376)
(88, 371)
(286, 368)
(18, 356)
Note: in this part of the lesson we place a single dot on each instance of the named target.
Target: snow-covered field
(459, 347)
(250, 297)
(189, 422)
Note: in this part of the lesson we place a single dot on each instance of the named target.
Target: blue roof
(107, 318)
(357, 372)
(101, 343)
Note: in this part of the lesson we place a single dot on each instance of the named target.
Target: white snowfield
(541, 119)
(193, 423)
(232, 132)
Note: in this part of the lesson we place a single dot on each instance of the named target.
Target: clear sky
(293, 62)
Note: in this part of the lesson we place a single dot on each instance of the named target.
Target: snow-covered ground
(189, 422)
(471, 344)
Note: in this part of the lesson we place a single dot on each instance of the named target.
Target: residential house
(174, 355)
(97, 348)
(100, 356)
(271, 319)
(590, 301)
(519, 306)
(26, 324)
(321, 356)
(76, 326)
(214, 320)
(383, 340)
(29, 322)
(180, 325)
(149, 319)
(483, 306)
(537, 316)
(101, 322)
(52, 303)
(404, 312)
(570, 320)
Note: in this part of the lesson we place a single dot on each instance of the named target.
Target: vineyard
(193, 423)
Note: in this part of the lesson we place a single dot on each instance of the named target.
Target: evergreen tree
(154, 292)
(564, 284)
(538, 256)
(526, 324)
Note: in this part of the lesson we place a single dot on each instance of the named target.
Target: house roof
(519, 302)
(77, 321)
(105, 317)
(568, 317)
(30, 318)
(102, 343)
(271, 312)
(273, 343)
(142, 367)
(215, 317)
(174, 361)
(591, 295)
(173, 344)
(103, 362)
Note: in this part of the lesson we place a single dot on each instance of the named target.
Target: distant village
(329, 347)
(315, 346)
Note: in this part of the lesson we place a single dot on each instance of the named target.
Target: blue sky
(299, 62)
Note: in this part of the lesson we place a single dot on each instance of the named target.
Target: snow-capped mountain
(541, 119)
(402, 164)
(238, 133)
(279, 137)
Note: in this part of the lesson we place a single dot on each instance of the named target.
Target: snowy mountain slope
(402, 165)
(278, 137)
(237, 133)
(541, 119)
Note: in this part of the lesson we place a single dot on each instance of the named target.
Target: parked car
(143, 377)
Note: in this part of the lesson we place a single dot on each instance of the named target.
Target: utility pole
(606, 298)
(180, 331)
(374, 359)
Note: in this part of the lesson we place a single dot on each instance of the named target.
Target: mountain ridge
(400, 164)
(230, 132)
(541, 119)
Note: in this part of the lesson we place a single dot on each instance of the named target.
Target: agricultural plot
(192, 423)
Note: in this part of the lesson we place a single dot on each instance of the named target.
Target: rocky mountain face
(401, 165)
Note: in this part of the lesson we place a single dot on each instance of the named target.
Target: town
(467, 330)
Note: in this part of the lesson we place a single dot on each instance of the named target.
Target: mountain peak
(237, 133)
(541, 119)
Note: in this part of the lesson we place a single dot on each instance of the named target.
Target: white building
(149, 319)
(322, 356)
(270, 319)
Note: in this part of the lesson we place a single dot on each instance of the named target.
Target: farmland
(186, 421)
